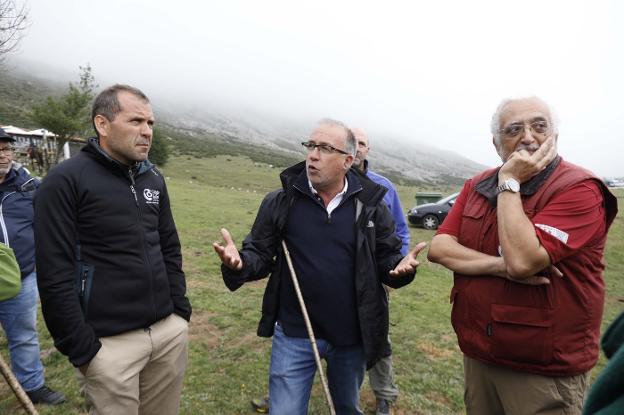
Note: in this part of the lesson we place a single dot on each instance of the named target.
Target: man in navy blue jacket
(18, 315)
(342, 241)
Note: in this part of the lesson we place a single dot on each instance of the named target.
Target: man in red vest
(525, 242)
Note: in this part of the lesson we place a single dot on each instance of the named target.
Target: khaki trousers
(497, 390)
(139, 372)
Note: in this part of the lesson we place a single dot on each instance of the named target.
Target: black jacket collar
(369, 192)
(487, 187)
(93, 147)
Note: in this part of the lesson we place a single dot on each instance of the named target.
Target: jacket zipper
(83, 288)
(5, 233)
(146, 256)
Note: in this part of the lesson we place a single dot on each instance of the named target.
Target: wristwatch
(510, 185)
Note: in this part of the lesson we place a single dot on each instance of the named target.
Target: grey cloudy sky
(428, 72)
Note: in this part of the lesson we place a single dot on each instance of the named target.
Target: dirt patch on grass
(434, 352)
(192, 283)
(202, 331)
(435, 396)
(250, 341)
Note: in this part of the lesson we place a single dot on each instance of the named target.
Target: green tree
(68, 116)
(159, 152)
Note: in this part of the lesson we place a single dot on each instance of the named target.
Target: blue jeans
(293, 368)
(18, 317)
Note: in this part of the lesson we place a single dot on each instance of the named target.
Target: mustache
(531, 148)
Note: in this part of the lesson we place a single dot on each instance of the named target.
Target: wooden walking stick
(17, 388)
(304, 310)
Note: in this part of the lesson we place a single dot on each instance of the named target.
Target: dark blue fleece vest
(322, 248)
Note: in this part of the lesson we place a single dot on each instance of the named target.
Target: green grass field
(228, 363)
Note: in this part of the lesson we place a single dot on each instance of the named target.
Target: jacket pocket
(472, 227)
(521, 334)
(82, 284)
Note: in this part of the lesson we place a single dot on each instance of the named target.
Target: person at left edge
(113, 292)
(18, 315)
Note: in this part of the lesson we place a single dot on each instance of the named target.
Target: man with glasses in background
(525, 242)
(381, 376)
(343, 246)
(18, 315)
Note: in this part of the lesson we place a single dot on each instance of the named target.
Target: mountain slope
(194, 129)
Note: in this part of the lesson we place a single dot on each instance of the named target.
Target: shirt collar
(336, 201)
(341, 193)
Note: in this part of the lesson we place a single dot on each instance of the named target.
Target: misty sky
(429, 72)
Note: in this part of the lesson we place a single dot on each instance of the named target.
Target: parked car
(431, 215)
(615, 182)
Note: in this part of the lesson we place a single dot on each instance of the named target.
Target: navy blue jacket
(16, 216)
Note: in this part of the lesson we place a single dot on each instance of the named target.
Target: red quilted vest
(552, 329)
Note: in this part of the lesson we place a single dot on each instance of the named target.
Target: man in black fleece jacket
(343, 244)
(113, 292)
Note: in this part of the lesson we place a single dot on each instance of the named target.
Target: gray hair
(351, 142)
(107, 105)
(495, 124)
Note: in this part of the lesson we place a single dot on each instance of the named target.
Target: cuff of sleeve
(85, 358)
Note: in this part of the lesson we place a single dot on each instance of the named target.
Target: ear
(496, 145)
(101, 125)
(348, 162)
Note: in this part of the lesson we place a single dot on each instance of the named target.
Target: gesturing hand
(409, 263)
(228, 254)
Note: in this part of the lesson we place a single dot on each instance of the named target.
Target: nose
(146, 130)
(527, 135)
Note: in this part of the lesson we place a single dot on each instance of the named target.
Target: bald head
(361, 140)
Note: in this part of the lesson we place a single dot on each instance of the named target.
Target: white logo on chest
(151, 196)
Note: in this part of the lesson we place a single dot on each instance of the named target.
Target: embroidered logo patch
(151, 196)
(557, 233)
(370, 224)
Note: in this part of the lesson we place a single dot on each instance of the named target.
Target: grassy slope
(228, 363)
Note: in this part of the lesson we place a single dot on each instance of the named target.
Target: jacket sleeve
(394, 204)
(172, 255)
(388, 249)
(55, 215)
(259, 247)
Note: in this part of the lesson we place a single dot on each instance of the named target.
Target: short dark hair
(107, 104)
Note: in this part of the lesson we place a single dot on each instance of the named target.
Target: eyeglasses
(323, 148)
(539, 128)
(7, 150)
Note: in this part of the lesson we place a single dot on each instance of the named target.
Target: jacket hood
(370, 194)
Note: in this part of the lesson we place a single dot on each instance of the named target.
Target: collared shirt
(335, 202)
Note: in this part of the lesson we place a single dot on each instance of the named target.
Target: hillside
(196, 130)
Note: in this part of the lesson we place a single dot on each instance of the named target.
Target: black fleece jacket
(107, 251)
(377, 252)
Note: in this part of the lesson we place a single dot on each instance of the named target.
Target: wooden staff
(304, 310)
(17, 388)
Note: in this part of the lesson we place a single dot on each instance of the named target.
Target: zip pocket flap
(525, 316)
